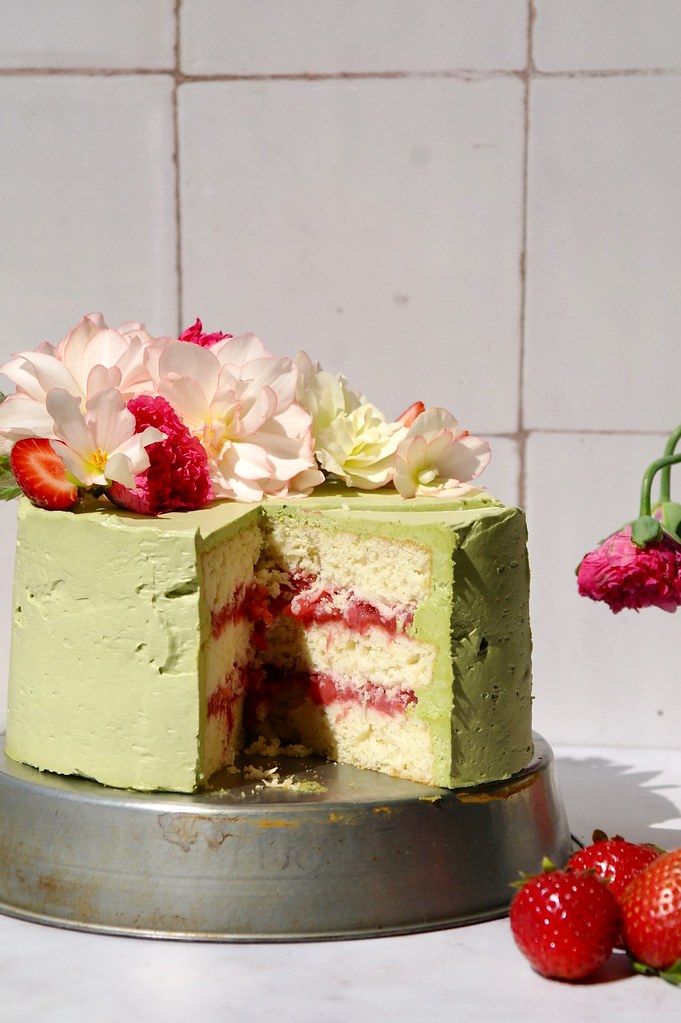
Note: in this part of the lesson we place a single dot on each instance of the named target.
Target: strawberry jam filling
(222, 701)
(304, 600)
(323, 690)
(310, 603)
(250, 603)
(326, 689)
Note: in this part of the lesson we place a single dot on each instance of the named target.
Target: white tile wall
(599, 677)
(607, 34)
(379, 228)
(603, 298)
(501, 477)
(86, 204)
(381, 218)
(243, 37)
(107, 34)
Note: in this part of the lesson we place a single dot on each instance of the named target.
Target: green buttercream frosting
(105, 668)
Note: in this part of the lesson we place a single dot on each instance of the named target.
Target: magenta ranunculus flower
(625, 575)
(178, 477)
(196, 336)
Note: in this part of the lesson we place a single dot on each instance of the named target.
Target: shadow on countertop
(620, 800)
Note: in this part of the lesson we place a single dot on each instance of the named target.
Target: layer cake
(387, 634)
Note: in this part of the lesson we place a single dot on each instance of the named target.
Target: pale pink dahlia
(178, 477)
(238, 400)
(196, 336)
(627, 576)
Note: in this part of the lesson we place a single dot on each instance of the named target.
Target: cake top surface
(217, 424)
(331, 502)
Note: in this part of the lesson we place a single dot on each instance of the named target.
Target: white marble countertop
(470, 973)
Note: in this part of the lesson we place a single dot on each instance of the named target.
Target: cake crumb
(296, 749)
(272, 748)
(291, 785)
(253, 773)
(264, 747)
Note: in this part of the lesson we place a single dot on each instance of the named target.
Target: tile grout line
(586, 432)
(457, 74)
(515, 435)
(521, 431)
(176, 164)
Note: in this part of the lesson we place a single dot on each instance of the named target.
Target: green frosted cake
(147, 652)
(218, 547)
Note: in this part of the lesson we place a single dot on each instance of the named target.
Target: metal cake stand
(355, 854)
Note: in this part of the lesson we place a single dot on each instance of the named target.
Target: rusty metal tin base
(358, 854)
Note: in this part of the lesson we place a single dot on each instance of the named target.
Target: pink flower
(178, 477)
(90, 359)
(101, 444)
(624, 575)
(238, 400)
(436, 458)
(195, 335)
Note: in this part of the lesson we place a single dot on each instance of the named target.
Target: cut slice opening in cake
(308, 642)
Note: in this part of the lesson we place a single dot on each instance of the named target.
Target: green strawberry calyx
(547, 867)
(672, 974)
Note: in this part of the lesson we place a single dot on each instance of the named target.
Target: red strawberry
(565, 923)
(41, 474)
(613, 860)
(651, 917)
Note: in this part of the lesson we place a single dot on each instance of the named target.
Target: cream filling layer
(332, 648)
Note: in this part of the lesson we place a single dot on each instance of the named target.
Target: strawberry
(651, 917)
(565, 923)
(41, 474)
(613, 860)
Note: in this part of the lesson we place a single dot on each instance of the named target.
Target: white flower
(100, 446)
(352, 439)
(359, 447)
(91, 358)
(238, 399)
(437, 458)
(324, 395)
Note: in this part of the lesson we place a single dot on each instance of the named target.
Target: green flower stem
(648, 477)
(666, 472)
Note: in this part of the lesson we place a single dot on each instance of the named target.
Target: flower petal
(118, 469)
(191, 361)
(21, 416)
(22, 375)
(49, 372)
(109, 420)
(101, 379)
(104, 348)
(71, 350)
(278, 374)
(461, 461)
(69, 423)
(432, 422)
(251, 462)
(403, 479)
(262, 409)
(187, 398)
(237, 351)
(78, 466)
